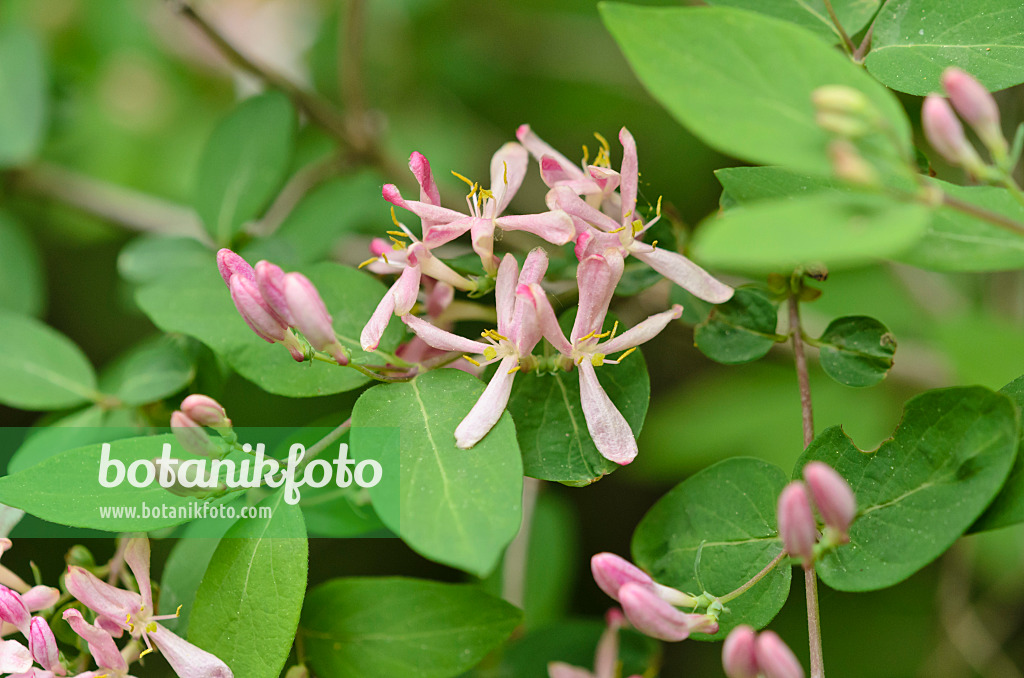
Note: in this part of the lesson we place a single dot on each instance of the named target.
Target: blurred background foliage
(136, 92)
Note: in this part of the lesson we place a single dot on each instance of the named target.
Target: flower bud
(13, 610)
(40, 597)
(270, 281)
(832, 495)
(796, 523)
(229, 263)
(255, 311)
(976, 105)
(775, 659)
(43, 645)
(659, 619)
(612, 572)
(840, 99)
(849, 165)
(191, 436)
(311, 316)
(739, 658)
(841, 124)
(205, 411)
(946, 135)
(81, 556)
(297, 671)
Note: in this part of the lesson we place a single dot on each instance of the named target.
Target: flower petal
(136, 555)
(596, 277)
(100, 597)
(186, 659)
(534, 268)
(420, 167)
(629, 174)
(575, 206)
(608, 428)
(489, 407)
(14, 657)
(686, 274)
(556, 227)
(612, 572)
(654, 617)
(101, 645)
(546, 321)
(508, 168)
(442, 339)
(505, 292)
(40, 597)
(642, 332)
(539, 148)
(369, 339)
(43, 645)
(433, 214)
(563, 670)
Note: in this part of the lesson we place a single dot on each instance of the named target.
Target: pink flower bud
(421, 169)
(946, 134)
(659, 619)
(43, 645)
(832, 495)
(311, 316)
(255, 311)
(205, 411)
(270, 281)
(13, 610)
(612, 572)
(739, 658)
(191, 436)
(976, 105)
(775, 659)
(796, 522)
(229, 263)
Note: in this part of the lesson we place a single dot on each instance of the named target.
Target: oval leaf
(740, 330)
(720, 522)
(919, 491)
(22, 287)
(154, 369)
(24, 96)
(811, 14)
(40, 368)
(857, 350)
(458, 507)
(1008, 506)
(386, 627)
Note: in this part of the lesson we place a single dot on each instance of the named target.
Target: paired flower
(978, 108)
(649, 606)
(596, 182)
(835, 502)
(120, 611)
(748, 654)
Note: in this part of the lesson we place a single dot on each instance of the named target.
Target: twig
(350, 72)
(847, 43)
(319, 446)
(301, 183)
(982, 213)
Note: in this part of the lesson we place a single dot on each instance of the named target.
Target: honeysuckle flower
(739, 654)
(623, 236)
(259, 316)
(946, 135)
(206, 411)
(796, 522)
(14, 657)
(270, 281)
(653, 616)
(127, 611)
(14, 611)
(101, 646)
(597, 276)
(229, 263)
(833, 498)
(43, 647)
(191, 436)
(515, 338)
(486, 210)
(596, 182)
(975, 104)
(775, 659)
(606, 657)
(311, 317)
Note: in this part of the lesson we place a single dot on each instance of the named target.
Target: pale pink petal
(369, 339)
(606, 657)
(596, 277)
(505, 292)
(13, 610)
(630, 175)
(430, 213)
(687, 275)
(229, 263)
(575, 206)
(642, 332)
(136, 555)
(652, 616)
(554, 173)
(535, 266)
(508, 168)
(14, 657)
(546, 320)
(186, 659)
(439, 234)
(439, 298)
(563, 670)
(593, 241)
(270, 281)
(101, 645)
(775, 659)
(482, 236)
(556, 227)
(406, 289)
(488, 409)
(431, 266)
(608, 428)
(539, 148)
(612, 572)
(832, 495)
(254, 310)
(43, 646)
(606, 179)
(421, 170)
(739, 658)
(797, 528)
(101, 597)
(40, 597)
(442, 339)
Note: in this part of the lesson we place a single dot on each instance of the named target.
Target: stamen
(657, 210)
(505, 165)
(399, 244)
(515, 369)
(471, 360)
(602, 335)
(385, 258)
(177, 613)
(394, 219)
(580, 361)
(604, 142)
(397, 234)
(638, 226)
(654, 244)
(367, 262)
(589, 336)
(625, 354)
(148, 650)
(494, 333)
(586, 155)
(615, 328)
(618, 230)
(472, 186)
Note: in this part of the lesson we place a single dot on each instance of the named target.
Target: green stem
(314, 450)
(732, 595)
(847, 43)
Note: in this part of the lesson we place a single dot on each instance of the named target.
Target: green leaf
(739, 331)
(952, 241)
(151, 257)
(811, 14)
(331, 511)
(155, 369)
(916, 40)
(458, 507)
(857, 350)
(1008, 506)
(200, 306)
(387, 627)
(726, 514)
(244, 164)
(65, 488)
(247, 608)
(40, 368)
(85, 427)
(22, 285)
(24, 96)
(922, 488)
(742, 82)
(841, 230)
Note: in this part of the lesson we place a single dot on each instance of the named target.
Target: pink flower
(43, 646)
(746, 654)
(833, 497)
(101, 646)
(976, 105)
(14, 657)
(119, 610)
(310, 316)
(597, 276)
(946, 135)
(486, 207)
(206, 411)
(739, 654)
(623, 236)
(597, 182)
(193, 437)
(515, 338)
(796, 523)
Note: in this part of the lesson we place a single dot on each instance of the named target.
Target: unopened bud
(205, 411)
(229, 263)
(847, 126)
(841, 99)
(311, 316)
(43, 645)
(191, 436)
(976, 105)
(270, 281)
(797, 528)
(849, 165)
(739, 657)
(832, 495)
(946, 134)
(255, 311)
(298, 671)
(659, 619)
(80, 556)
(13, 610)
(612, 572)
(775, 659)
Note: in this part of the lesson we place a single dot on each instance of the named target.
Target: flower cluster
(16, 614)
(748, 654)
(835, 502)
(978, 108)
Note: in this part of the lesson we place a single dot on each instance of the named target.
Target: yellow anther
(654, 244)
(499, 337)
(472, 186)
(618, 230)
(397, 234)
(145, 652)
(385, 258)
(579, 361)
(586, 154)
(597, 359)
(505, 165)
(589, 336)
(471, 360)
(394, 219)
(515, 369)
(604, 142)
(615, 328)
(637, 226)
(128, 618)
(485, 194)
(490, 353)
(399, 244)
(657, 210)
(177, 613)
(367, 262)
(151, 627)
(626, 353)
